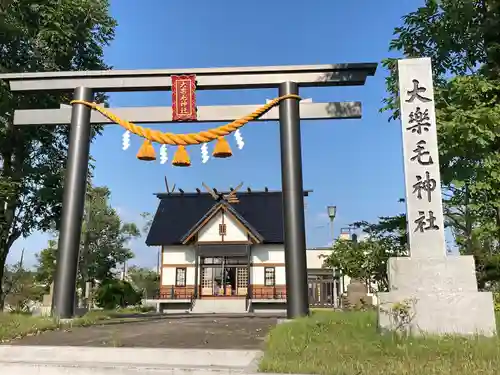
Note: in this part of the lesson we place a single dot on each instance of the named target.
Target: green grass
(347, 343)
(15, 326)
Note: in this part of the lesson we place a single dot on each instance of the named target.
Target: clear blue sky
(354, 164)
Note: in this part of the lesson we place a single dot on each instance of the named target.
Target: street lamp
(332, 212)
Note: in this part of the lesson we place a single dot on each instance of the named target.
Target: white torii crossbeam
(159, 115)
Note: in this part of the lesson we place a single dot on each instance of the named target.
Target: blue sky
(354, 164)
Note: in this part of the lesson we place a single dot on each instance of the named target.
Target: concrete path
(51, 360)
(174, 345)
(189, 332)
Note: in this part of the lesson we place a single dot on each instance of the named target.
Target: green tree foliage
(148, 221)
(20, 287)
(463, 39)
(103, 246)
(105, 237)
(366, 260)
(116, 293)
(468, 113)
(460, 36)
(46, 264)
(36, 35)
(145, 280)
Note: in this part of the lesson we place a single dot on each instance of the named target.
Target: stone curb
(53, 360)
(149, 357)
(29, 369)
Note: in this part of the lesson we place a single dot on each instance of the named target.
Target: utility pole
(125, 270)
(86, 244)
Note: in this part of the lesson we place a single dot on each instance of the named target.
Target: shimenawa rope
(189, 138)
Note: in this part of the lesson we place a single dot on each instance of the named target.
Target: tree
(49, 35)
(46, 264)
(103, 246)
(366, 259)
(460, 36)
(463, 39)
(145, 280)
(148, 221)
(116, 293)
(104, 237)
(19, 287)
(469, 125)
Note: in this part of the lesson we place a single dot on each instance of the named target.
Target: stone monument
(357, 295)
(439, 291)
(45, 308)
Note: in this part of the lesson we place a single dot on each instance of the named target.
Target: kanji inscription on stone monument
(421, 159)
(445, 300)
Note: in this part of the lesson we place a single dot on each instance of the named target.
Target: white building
(212, 249)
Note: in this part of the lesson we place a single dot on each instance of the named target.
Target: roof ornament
(230, 198)
(167, 187)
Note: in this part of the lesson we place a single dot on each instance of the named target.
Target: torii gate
(80, 117)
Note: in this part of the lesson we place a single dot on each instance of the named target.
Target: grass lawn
(347, 343)
(14, 326)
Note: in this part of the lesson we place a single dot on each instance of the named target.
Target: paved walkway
(173, 345)
(192, 332)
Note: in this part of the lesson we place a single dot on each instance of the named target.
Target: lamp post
(332, 212)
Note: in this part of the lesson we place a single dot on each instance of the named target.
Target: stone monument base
(460, 313)
(442, 297)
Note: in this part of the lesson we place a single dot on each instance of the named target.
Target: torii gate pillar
(75, 184)
(293, 204)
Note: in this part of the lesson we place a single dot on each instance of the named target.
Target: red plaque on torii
(184, 98)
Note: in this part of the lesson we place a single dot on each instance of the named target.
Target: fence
(322, 293)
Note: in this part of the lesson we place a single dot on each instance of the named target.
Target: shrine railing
(174, 294)
(268, 293)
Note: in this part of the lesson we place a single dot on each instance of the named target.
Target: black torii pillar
(293, 204)
(75, 184)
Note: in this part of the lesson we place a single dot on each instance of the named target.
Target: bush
(116, 293)
(496, 301)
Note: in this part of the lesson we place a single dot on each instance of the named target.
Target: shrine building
(222, 252)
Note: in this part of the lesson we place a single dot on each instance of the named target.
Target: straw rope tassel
(147, 151)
